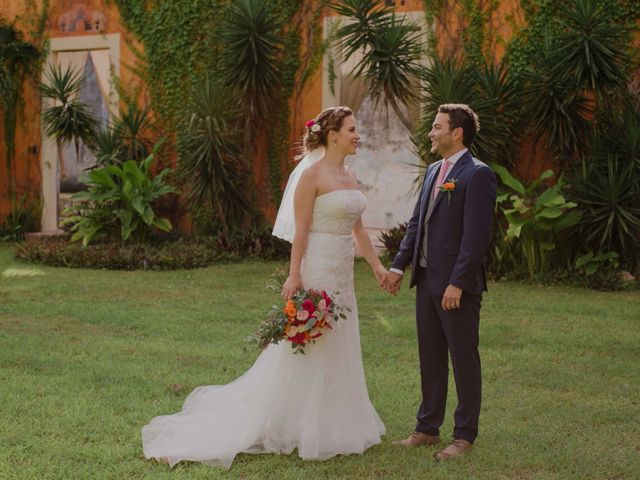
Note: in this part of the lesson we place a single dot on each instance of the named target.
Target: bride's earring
(335, 142)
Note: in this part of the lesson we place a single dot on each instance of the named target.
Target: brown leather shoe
(456, 448)
(418, 438)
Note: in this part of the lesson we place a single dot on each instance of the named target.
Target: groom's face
(442, 137)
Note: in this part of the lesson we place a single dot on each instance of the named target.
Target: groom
(446, 240)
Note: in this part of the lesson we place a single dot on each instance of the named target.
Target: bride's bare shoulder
(309, 179)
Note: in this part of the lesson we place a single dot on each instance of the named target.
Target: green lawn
(88, 357)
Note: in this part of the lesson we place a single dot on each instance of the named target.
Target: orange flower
(449, 186)
(290, 309)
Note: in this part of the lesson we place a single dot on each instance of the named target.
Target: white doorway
(98, 58)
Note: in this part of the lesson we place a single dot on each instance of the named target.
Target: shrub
(119, 202)
(179, 253)
(599, 270)
(390, 239)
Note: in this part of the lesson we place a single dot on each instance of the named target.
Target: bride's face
(346, 139)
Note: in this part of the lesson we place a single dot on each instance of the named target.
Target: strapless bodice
(337, 211)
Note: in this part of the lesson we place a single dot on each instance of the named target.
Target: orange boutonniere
(449, 187)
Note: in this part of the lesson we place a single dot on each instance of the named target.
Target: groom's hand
(392, 283)
(451, 298)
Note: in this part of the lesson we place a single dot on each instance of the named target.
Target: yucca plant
(17, 59)
(109, 147)
(69, 119)
(252, 54)
(592, 47)
(488, 89)
(133, 126)
(390, 48)
(211, 167)
(554, 109)
(608, 193)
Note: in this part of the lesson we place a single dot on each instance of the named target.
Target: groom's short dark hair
(461, 115)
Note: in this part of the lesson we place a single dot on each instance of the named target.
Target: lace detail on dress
(317, 402)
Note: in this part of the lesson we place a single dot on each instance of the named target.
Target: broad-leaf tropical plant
(119, 200)
(535, 213)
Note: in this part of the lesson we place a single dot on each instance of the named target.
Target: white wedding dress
(317, 402)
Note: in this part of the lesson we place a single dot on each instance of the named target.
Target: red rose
(327, 299)
(309, 306)
(298, 338)
(310, 123)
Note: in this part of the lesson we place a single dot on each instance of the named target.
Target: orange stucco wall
(26, 168)
(64, 14)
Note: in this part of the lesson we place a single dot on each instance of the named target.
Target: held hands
(380, 273)
(291, 286)
(391, 283)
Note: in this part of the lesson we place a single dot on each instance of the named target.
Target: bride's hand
(292, 286)
(381, 274)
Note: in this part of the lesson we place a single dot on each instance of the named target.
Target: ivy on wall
(181, 43)
(297, 68)
(21, 58)
(471, 41)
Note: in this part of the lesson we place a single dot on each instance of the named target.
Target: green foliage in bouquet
(120, 197)
(303, 319)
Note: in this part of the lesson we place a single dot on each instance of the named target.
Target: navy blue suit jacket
(458, 231)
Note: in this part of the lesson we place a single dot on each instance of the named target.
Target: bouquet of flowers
(303, 319)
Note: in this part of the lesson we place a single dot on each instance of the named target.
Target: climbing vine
(181, 42)
(297, 68)
(20, 59)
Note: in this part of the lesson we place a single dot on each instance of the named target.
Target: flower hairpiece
(313, 126)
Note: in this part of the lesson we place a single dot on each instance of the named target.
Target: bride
(317, 402)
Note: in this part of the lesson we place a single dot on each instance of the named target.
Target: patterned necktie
(441, 176)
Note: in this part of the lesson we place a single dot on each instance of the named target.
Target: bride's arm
(303, 201)
(365, 247)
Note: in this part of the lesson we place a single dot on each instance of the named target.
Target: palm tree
(17, 59)
(390, 47)
(69, 119)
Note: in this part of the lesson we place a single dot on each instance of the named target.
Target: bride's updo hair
(318, 129)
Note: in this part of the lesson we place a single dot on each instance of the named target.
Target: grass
(88, 357)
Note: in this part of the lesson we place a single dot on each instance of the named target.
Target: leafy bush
(120, 198)
(535, 215)
(599, 270)
(24, 217)
(167, 255)
(166, 252)
(390, 239)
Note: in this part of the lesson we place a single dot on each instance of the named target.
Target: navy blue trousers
(440, 333)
